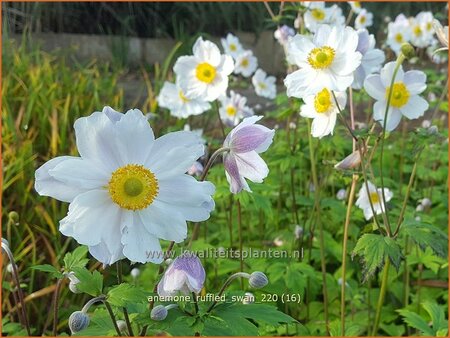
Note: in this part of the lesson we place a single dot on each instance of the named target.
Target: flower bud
(249, 298)
(78, 321)
(341, 194)
(159, 312)
(433, 130)
(298, 231)
(419, 208)
(352, 161)
(258, 280)
(9, 268)
(426, 202)
(13, 217)
(135, 272)
(73, 282)
(122, 325)
(426, 123)
(408, 50)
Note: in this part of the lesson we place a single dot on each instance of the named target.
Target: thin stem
(225, 285)
(239, 217)
(194, 297)
(56, 306)
(271, 13)
(124, 309)
(344, 250)
(399, 62)
(441, 98)
(113, 318)
(321, 238)
(381, 296)
(222, 127)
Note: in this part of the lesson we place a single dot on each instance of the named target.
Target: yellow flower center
(429, 26)
(262, 85)
(244, 63)
(417, 31)
(231, 111)
(362, 19)
(318, 14)
(205, 72)
(398, 37)
(233, 47)
(322, 101)
(400, 95)
(321, 57)
(357, 4)
(374, 197)
(133, 187)
(182, 97)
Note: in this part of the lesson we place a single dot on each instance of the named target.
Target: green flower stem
(225, 285)
(317, 212)
(381, 296)
(56, 306)
(124, 309)
(222, 127)
(113, 318)
(241, 259)
(399, 62)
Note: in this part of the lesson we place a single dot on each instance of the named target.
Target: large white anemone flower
(205, 74)
(375, 196)
(372, 58)
(172, 97)
(322, 108)
(405, 98)
(127, 190)
(264, 85)
(328, 60)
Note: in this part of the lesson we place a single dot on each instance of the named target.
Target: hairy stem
(381, 296)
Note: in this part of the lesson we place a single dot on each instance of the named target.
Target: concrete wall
(141, 50)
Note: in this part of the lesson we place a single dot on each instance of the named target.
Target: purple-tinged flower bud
(78, 321)
(352, 161)
(258, 280)
(196, 169)
(159, 312)
(341, 194)
(298, 232)
(426, 202)
(433, 130)
(185, 275)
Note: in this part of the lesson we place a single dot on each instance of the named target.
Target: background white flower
(398, 33)
(363, 19)
(234, 108)
(323, 109)
(127, 190)
(172, 98)
(405, 96)
(371, 60)
(231, 45)
(283, 34)
(356, 6)
(246, 63)
(204, 74)
(265, 85)
(422, 30)
(328, 60)
(318, 14)
(374, 196)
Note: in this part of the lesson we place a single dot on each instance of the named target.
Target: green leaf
(90, 283)
(124, 294)
(76, 259)
(417, 322)
(374, 249)
(427, 235)
(437, 316)
(48, 268)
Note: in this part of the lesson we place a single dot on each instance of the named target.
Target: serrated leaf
(427, 235)
(48, 268)
(76, 259)
(90, 282)
(437, 316)
(415, 321)
(124, 294)
(259, 312)
(374, 250)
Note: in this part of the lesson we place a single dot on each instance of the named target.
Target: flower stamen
(321, 57)
(322, 101)
(400, 95)
(205, 72)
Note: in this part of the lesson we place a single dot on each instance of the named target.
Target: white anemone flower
(318, 14)
(127, 190)
(173, 98)
(336, 17)
(242, 161)
(234, 108)
(398, 33)
(372, 58)
(205, 74)
(322, 108)
(364, 19)
(246, 63)
(419, 36)
(375, 196)
(356, 6)
(328, 60)
(426, 19)
(232, 45)
(405, 98)
(264, 85)
(283, 34)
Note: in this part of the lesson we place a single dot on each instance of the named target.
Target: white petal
(101, 253)
(415, 107)
(388, 71)
(206, 51)
(415, 81)
(252, 166)
(393, 120)
(374, 87)
(47, 185)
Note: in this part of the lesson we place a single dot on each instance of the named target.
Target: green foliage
(125, 294)
(426, 235)
(439, 324)
(90, 282)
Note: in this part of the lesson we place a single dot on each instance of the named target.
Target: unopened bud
(433, 130)
(159, 312)
(298, 231)
(408, 50)
(135, 272)
(13, 217)
(258, 280)
(73, 282)
(419, 208)
(426, 202)
(122, 325)
(352, 161)
(78, 321)
(249, 298)
(341, 194)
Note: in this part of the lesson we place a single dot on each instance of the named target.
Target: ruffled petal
(415, 107)
(253, 137)
(252, 166)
